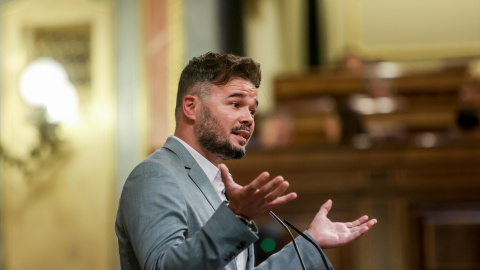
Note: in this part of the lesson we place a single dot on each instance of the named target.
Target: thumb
(226, 179)
(326, 207)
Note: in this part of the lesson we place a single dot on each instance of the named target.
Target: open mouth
(242, 133)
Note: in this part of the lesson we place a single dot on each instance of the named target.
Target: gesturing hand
(257, 197)
(330, 234)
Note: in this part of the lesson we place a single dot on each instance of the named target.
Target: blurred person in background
(467, 118)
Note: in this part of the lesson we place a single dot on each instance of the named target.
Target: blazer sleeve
(153, 221)
(287, 257)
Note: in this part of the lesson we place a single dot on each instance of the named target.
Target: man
(172, 212)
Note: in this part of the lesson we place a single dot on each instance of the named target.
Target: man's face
(226, 121)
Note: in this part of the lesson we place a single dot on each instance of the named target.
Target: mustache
(242, 127)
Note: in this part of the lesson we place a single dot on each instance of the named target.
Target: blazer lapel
(195, 172)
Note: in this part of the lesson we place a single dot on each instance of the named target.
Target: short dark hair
(217, 69)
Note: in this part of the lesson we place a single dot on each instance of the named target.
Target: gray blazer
(170, 217)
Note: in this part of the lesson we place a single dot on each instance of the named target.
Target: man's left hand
(257, 197)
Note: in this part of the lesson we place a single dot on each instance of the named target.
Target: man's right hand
(258, 197)
(330, 234)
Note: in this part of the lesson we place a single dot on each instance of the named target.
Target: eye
(234, 104)
(252, 112)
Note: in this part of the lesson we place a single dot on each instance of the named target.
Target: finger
(326, 207)
(278, 191)
(371, 222)
(357, 222)
(271, 186)
(358, 228)
(283, 199)
(258, 183)
(364, 227)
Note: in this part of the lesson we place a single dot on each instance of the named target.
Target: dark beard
(208, 132)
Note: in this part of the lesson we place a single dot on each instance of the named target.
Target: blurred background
(371, 103)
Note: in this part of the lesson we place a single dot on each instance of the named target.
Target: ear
(189, 106)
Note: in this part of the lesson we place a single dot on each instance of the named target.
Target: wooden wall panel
(392, 185)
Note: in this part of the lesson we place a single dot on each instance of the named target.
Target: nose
(246, 118)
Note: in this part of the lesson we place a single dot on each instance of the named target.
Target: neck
(190, 139)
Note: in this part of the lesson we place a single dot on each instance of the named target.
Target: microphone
(291, 236)
(295, 244)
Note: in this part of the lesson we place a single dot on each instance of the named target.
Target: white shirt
(214, 175)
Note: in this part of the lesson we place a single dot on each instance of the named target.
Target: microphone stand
(295, 244)
(291, 236)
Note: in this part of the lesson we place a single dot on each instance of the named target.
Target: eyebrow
(243, 96)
